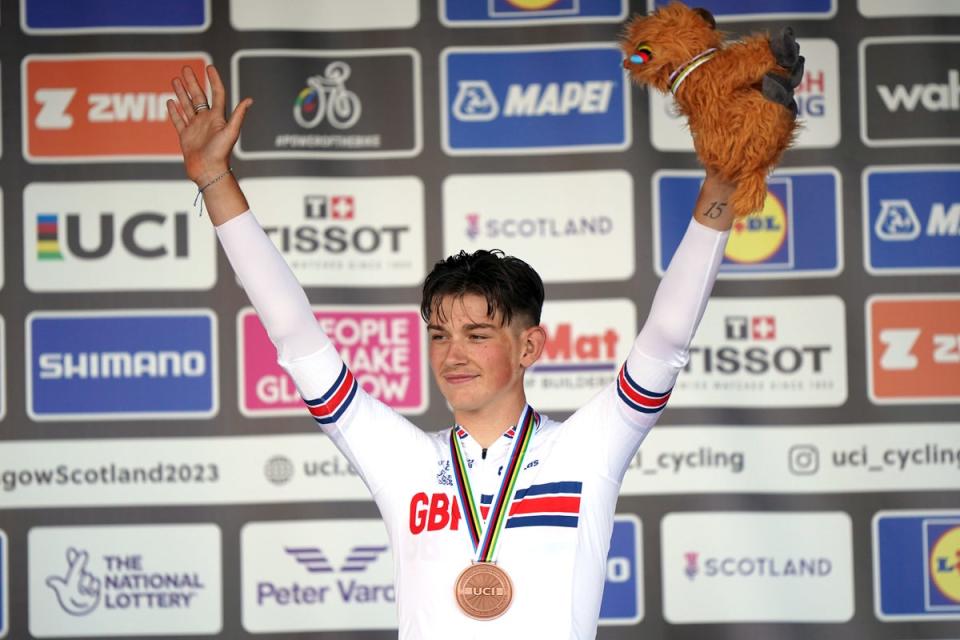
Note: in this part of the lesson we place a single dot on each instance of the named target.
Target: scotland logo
(512, 100)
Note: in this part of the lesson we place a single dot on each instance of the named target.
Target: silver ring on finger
(197, 108)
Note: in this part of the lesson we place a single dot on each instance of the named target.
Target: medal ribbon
(485, 539)
(680, 74)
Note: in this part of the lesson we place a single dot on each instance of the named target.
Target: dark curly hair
(508, 284)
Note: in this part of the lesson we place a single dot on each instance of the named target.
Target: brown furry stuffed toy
(738, 97)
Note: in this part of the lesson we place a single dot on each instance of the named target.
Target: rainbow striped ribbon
(485, 540)
(680, 74)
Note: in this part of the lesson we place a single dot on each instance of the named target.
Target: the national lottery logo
(499, 13)
(912, 219)
(767, 352)
(508, 100)
(586, 343)
(100, 107)
(118, 580)
(346, 232)
(797, 233)
(362, 103)
(916, 561)
(384, 348)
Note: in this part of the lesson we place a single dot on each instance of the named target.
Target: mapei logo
(913, 348)
(904, 104)
(56, 17)
(112, 365)
(916, 564)
(499, 13)
(797, 234)
(911, 219)
(100, 107)
(362, 103)
(111, 236)
(727, 11)
(534, 99)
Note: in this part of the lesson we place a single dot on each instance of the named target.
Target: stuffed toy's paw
(737, 96)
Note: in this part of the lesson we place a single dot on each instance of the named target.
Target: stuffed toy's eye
(642, 54)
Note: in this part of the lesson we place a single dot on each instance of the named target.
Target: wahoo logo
(509, 100)
(911, 219)
(315, 561)
(903, 104)
(121, 364)
(48, 244)
(553, 504)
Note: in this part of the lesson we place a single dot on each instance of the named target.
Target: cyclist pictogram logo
(327, 98)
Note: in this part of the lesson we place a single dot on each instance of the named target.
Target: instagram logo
(803, 459)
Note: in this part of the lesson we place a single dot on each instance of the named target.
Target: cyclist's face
(476, 359)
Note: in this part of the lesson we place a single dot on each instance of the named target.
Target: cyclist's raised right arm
(355, 421)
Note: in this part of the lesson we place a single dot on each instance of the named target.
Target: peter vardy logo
(315, 561)
(904, 104)
(917, 565)
(498, 13)
(116, 364)
(797, 234)
(912, 219)
(557, 99)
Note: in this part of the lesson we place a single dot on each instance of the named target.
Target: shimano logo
(929, 97)
(122, 364)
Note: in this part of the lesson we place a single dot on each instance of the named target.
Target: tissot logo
(109, 236)
(317, 575)
(362, 103)
(912, 219)
(100, 107)
(509, 100)
(746, 346)
(903, 104)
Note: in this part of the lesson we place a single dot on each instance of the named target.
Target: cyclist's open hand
(206, 138)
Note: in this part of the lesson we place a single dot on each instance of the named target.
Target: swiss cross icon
(763, 328)
(341, 207)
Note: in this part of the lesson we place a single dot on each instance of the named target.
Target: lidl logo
(732, 10)
(913, 348)
(553, 99)
(916, 561)
(43, 17)
(911, 219)
(101, 107)
(498, 13)
(796, 234)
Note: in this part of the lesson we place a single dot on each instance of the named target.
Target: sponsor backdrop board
(146, 428)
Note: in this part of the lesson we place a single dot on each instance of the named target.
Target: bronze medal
(484, 591)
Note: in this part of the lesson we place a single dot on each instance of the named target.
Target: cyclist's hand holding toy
(206, 137)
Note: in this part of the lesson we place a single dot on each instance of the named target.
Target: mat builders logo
(55, 17)
(113, 365)
(759, 352)
(534, 99)
(913, 348)
(119, 580)
(798, 234)
(114, 236)
(817, 97)
(317, 575)
(323, 15)
(589, 213)
(108, 107)
(345, 232)
(383, 346)
(587, 341)
(362, 103)
(916, 565)
(906, 104)
(911, 219)
(757, 567)
(500, 13)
